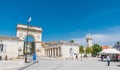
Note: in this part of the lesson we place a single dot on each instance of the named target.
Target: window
(1, 47)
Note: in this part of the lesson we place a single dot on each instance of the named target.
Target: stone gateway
(14, 46)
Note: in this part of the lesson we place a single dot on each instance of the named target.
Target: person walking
(76, 56)
(108, 60)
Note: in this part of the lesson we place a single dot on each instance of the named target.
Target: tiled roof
(106, 47)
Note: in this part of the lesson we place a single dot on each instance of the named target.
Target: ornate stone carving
(20, 34)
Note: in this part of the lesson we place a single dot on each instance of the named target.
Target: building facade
(34, 32)
(61, 49)
(12, 47)
(9, 46)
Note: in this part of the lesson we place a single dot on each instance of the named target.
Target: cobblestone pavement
(85, 64)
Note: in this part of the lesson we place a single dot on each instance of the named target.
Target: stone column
(47, 52)
(58, 51)
(55, 52)
(52, 51)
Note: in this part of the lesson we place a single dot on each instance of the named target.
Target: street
(61, 64)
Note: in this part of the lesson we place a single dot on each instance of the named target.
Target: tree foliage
(95, 49)
(81, 49)
(71, 41)
(32, 48)
(88, 50)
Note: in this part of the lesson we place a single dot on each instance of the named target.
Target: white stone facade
(12, 47)
(63, 50)
(89, 41)
(34, 32)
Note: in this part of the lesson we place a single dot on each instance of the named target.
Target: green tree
(71, 41)
(81, 49)
(95, 49)
(32, 48)
(88, 50)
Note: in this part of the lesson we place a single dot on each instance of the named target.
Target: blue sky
(64, 19)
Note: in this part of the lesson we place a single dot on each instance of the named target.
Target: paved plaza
(11, 64)
(61, 64)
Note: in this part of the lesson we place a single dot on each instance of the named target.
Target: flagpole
(28, 24)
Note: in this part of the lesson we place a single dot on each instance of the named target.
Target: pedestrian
(108, 60)
(102, 56)
(34, 56)
(76, 56)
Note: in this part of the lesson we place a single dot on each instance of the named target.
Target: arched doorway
(29, 45)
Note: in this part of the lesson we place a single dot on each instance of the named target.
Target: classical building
(12, 47)
(61, 49)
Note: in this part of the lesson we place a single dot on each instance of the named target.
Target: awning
(109, 51)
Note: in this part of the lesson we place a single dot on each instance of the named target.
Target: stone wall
(66, 51)
(11, 48)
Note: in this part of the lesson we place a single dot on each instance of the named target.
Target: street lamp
(29, 20)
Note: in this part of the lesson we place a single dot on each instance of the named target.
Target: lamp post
(28, 24)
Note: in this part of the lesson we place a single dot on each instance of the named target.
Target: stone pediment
(31, 28)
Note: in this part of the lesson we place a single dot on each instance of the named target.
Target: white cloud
(102, 39)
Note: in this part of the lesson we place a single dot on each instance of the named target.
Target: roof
(117, 45)
(9, 38)
(106, 47)
(59, 44)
